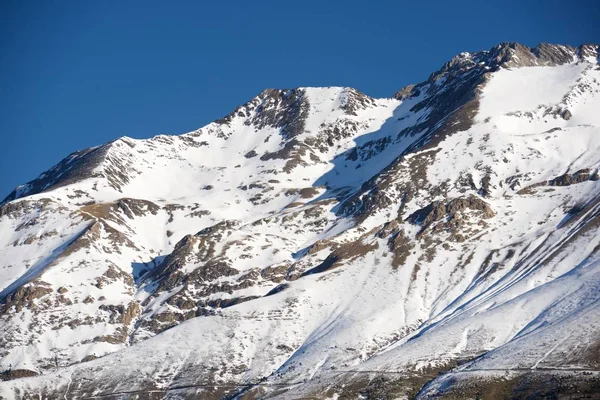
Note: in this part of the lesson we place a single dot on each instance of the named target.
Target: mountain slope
(320, 242)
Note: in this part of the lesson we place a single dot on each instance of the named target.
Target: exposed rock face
(283, 109)
(576, 177)
(97, 162)
(321, 243)
(438, 210)
(25, 296)
(451, 216)
(16, 374)
(73, 168)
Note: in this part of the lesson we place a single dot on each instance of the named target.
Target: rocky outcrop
(574, 178)
(75, 167)
(18, 209)
(344, 253)
(25, 297)
(336, 241)
(451, 216)
(16, 374)
(566, 179)
(283, 109)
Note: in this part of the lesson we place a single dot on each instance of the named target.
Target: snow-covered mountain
(320, 243)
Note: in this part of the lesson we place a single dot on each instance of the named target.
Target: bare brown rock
(130, 312)
(572, 179)
(16, 374)
(24, 296)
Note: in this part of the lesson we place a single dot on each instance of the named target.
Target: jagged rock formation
(318, 242)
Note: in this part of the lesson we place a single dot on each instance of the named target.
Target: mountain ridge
(315, 239)
(503, 55)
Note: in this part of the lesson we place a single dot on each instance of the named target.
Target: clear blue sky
(75, 74)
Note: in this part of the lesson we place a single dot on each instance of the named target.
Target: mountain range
(321, 243)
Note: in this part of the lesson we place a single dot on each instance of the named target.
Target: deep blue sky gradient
(75, 74)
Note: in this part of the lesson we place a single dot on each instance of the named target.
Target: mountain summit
(321, 243)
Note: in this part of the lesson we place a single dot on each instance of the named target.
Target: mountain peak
(305, 110)
(316, 239)
(511, 55)
(505, 55)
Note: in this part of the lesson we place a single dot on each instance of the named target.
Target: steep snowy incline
(279, 129)
(317, 242)
(78, 255)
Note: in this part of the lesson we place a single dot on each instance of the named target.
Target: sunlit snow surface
(522, 292)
